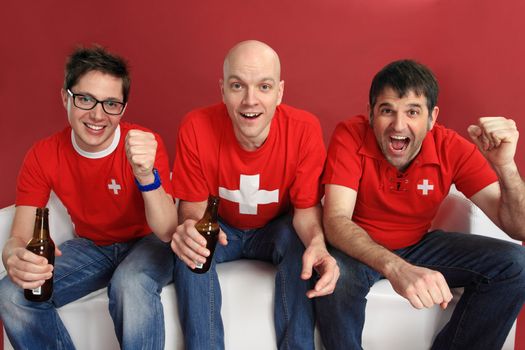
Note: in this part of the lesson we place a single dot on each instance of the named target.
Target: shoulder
(126, 126)
(54, 143)
(354, 128)
(204, 116)
(296, 115)
(448, 140)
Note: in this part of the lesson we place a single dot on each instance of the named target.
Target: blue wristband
(152, 186)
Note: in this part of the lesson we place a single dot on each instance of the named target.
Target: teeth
(399, 137)
(94, 127)
(250, 115)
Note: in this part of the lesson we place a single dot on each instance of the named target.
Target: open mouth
(399, 143)
(94, 127)
(250, 115)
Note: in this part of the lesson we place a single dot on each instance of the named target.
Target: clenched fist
(141, 148)
(496, 138)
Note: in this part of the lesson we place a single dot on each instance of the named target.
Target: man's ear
(369, 111)
(221, 86)
(433, 115)
(281, 92)
(65, 99)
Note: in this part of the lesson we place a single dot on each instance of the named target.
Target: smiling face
(400, 125)
(251, 90)
(94, 129)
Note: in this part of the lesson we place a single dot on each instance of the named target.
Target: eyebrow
(235, 77)
(112, 99)
(388, 104)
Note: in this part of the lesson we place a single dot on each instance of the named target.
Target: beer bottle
(41, 244)
(208, 227)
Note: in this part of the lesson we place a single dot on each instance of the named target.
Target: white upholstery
(247, 290)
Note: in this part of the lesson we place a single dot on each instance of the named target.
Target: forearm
(191, 210)
(161, 213)
(308, 226)
(511, 212)
(350, 238)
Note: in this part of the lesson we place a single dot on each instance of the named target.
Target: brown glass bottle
(41, 244)
(208, 227)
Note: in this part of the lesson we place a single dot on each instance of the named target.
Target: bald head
(252, 53)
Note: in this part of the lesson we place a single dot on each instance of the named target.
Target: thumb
(475, 133)
(306, 272)
(58, 252)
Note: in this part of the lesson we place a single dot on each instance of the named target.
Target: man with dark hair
(110, 176)
(385, 178)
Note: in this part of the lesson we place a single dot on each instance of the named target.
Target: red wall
(329, 54)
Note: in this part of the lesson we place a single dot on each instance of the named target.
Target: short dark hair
(84, 60)
(404, 76)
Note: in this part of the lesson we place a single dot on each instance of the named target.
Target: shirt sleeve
(188, 180)
(305, 191)
(343, 163)
(473, 171)
(33, 186)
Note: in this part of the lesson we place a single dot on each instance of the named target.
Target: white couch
(391, 323)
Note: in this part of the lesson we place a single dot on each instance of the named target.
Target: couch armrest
(458, 214)
(60, 225)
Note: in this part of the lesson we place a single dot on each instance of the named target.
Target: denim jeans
(491, 271)
(134, 272)
(199, 295)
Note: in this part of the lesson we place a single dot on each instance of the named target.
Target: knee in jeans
(353, 279)
(513, 265)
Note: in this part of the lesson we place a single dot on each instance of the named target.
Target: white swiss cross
(425, 187)
(249, 195)
(114, 186)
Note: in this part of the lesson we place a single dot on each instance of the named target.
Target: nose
(97, 113)
(250, 97)
(399, 122)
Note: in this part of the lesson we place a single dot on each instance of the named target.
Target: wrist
(149, 183)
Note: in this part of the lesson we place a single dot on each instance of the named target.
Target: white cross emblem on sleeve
(249, 195)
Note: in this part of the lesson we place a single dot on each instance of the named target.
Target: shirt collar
(100, 154)
(427, 154)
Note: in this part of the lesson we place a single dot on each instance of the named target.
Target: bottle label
(37, 291)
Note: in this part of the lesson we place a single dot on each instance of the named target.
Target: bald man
(264, 160)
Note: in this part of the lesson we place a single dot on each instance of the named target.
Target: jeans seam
(285, 307)
(212, 311)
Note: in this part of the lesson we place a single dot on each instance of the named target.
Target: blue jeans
(199, 295)
(134, 272)
(491, 271)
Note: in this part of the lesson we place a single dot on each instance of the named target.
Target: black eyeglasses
(88, 102)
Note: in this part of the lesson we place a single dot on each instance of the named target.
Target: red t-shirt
(257, 186)
(396, 209)
(97, 189)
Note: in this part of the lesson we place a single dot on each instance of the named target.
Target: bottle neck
(41, 231)
(212, 210)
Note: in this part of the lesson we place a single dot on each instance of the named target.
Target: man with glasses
(111, 176)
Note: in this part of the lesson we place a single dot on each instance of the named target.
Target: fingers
(223, 239)
(328, 272)
(189, 245)
(27, 269)
(430, 290)
(141, 148)
(490, 132)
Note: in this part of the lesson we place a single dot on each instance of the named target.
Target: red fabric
(395, 208)
(290, 161)
(99, 213)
